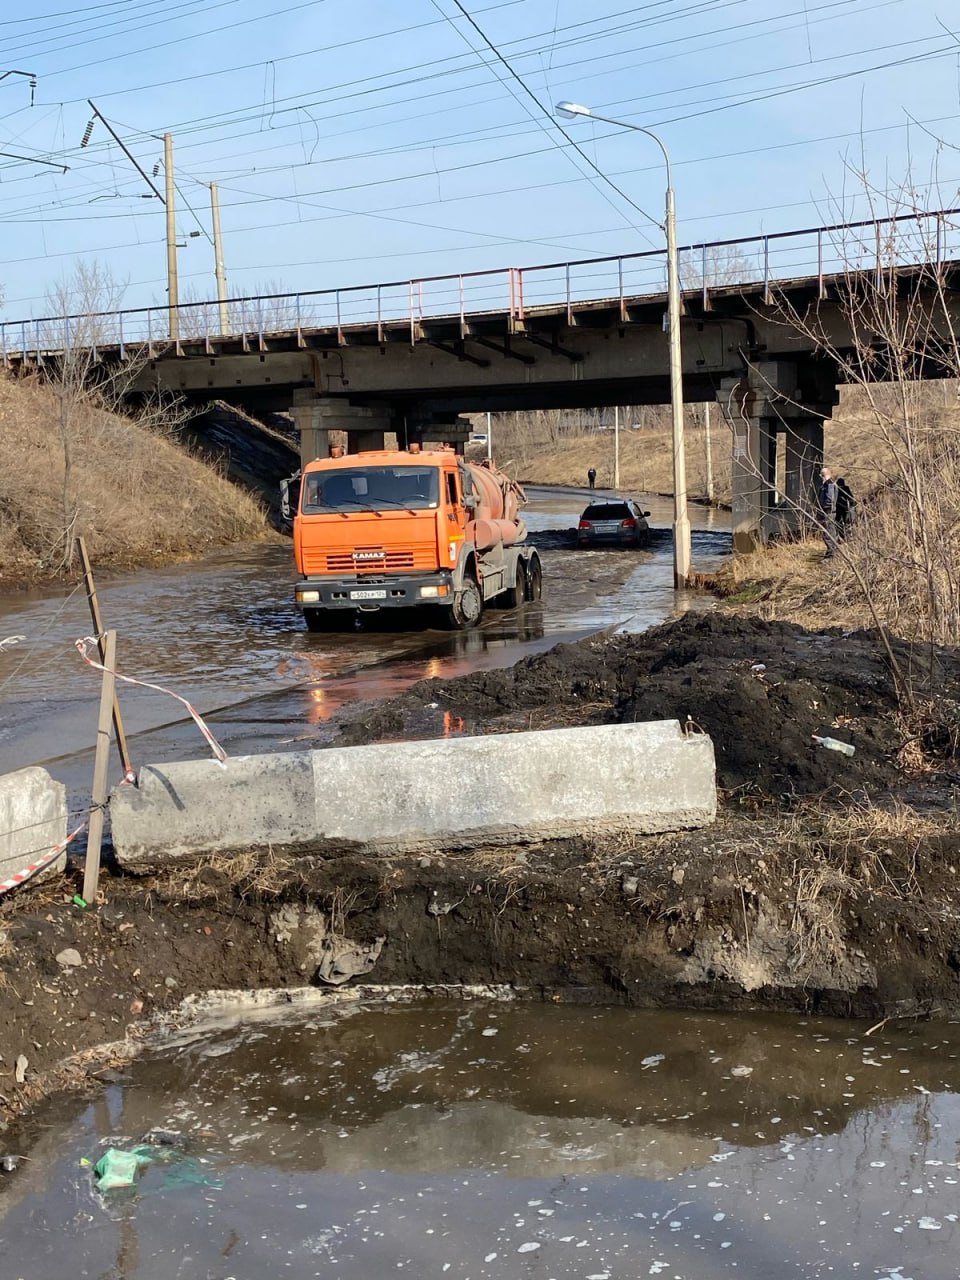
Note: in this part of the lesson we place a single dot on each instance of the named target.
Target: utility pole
(706, 432)
(173, 294)
(218, 259)
(616, 447)
(489, 438)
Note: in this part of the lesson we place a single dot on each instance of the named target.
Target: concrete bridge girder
(407, 373)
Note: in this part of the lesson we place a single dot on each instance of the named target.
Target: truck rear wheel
(514, 596)
(467, 606)
(535, 579)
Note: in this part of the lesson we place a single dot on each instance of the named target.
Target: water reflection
(478, 1140)
(224, 633)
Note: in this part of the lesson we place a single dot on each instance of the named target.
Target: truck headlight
(308, 597)
(429, 593)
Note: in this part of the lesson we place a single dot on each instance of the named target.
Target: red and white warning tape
(22, 876)
(31, 870)
(218, 752)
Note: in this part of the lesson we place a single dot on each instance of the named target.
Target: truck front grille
(370, 560)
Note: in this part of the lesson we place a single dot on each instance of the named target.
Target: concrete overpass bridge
(412, 356)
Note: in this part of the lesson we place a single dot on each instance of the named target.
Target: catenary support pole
(218, 259)
(616, 446)
(173, 297)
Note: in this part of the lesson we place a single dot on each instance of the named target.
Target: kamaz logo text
(368, 555)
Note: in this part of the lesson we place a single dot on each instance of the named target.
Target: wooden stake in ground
(97, 617)
(101, 766)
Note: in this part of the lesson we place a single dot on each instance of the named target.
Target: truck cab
(407, 528)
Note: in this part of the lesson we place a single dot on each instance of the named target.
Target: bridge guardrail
(812, 253)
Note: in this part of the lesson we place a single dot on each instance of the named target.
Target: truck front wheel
(467, 606)
(329, 619)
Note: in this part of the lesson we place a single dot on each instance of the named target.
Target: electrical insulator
(86, 133)
(156, 168)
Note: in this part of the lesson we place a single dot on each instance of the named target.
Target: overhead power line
(549, 115)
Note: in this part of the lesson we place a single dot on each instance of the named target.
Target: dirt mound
(762, 690)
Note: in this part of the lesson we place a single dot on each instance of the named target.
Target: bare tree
(86, 387)
(716, 265)
(890, 323)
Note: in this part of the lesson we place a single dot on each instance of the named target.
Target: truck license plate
(368, 595)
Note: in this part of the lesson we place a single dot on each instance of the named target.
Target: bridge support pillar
(316, 416)
(776, 412)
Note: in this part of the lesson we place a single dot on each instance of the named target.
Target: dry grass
(646, 459)
(263, 875)
(861, 845)
(135, 496)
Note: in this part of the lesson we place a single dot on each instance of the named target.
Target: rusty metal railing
(403, 306)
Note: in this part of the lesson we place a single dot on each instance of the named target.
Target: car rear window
(607, 511)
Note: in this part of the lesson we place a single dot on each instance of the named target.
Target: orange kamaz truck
(410, 528)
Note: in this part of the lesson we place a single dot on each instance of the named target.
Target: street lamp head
(569, 110)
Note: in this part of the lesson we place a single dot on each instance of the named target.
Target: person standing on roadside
(592, 477)
(846, 508)
(827, 502)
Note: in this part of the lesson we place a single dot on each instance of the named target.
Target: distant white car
(478, 437)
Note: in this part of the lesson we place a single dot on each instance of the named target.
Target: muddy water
(223, 633)
(487, 1140)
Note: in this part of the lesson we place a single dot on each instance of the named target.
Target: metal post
(616, 446)
(709, 451)
(704, 283)
(820, 263)
(681, 521)
(218, 260)
(489, 438)
(173, 295)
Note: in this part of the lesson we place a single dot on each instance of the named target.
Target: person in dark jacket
(592, 477)
(827, 502)
(846, 508)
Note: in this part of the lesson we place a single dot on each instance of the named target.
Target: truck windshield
(370, 489)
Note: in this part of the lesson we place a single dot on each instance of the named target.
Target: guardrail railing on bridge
(815, 253)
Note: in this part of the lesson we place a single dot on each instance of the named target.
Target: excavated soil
(762, 690)
(820, 888)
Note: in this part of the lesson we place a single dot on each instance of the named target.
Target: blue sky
(363, 140)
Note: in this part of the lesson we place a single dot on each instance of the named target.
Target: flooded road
(489, 1141)
(223, 633)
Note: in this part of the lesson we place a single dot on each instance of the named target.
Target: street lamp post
(681, 521)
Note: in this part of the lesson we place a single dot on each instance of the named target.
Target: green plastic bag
(116, 1169)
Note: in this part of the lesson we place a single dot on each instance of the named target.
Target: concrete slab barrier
(33, 820)
(422, 796)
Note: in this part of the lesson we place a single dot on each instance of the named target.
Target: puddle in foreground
(489, 1141)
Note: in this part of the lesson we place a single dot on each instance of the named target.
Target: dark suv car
(617, 523)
